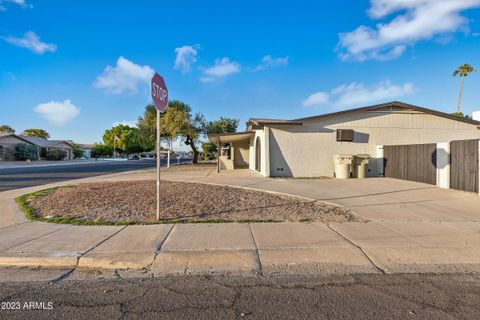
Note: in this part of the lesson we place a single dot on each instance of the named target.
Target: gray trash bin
(343, 163)
(360, 164)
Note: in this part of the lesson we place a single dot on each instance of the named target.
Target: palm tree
(463, 71)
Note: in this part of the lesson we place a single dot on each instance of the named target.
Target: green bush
(25, 151)
(43, 152)
(56, 154)
(78, 153)
(101, 151)
(7, 154)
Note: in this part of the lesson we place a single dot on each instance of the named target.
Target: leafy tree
(462, 71)
(128, 139)
(36, 133)
(6, 129)
(222, 125)
(209, 149)
(101, 151)
(148, 128)
(178, 121)
(25, 151)
(461, 115)
(77, 151)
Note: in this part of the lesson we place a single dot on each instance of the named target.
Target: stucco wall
(263, 137)
(307, 151)
(8, 143)
(11, 141)
(241, 155)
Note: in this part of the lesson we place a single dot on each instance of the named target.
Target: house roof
(393, 104)
(86, 145)
(397, 104)
(6, 134)
(258, 122)
(230, 137)
(42, 142)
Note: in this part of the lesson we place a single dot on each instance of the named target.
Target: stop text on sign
(159, 92)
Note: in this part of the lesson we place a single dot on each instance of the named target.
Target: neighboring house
(87, 149)
(305, 147)
(8, 142)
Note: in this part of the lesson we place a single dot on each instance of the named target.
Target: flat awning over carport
(224, 138)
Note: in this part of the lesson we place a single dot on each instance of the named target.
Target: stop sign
(159, 93)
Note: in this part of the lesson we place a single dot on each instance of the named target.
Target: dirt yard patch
(190, 202)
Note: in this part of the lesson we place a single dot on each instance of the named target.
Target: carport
(233, 149)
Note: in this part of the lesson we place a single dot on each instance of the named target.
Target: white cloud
(269, 62)
(357, 94)
(31, 41)
(57, 112)
(416, 20)
(132, 123)
(21, 3)
(222, 68)
(8, 76)
(186, 56)
(315, 99)
(124, 77)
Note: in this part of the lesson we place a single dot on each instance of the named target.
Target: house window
(345, 135)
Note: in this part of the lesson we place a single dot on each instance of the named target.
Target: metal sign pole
(168, 155)
(158, 165)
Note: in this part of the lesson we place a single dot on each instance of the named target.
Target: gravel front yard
(135, 202)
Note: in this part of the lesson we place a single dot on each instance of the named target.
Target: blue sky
(77, 67)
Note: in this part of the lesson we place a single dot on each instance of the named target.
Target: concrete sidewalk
(242, 249)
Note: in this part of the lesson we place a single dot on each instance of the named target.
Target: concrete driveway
(414, 228)
(375, 199)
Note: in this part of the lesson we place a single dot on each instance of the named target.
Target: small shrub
(77, 153)
(7, 154)
(56, 154)
(25, 151)
(101, 150)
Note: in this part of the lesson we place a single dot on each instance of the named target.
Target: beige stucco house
(8, 141)
(305, 147)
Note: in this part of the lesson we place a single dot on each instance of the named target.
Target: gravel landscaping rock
(189, 167)
(135, 202)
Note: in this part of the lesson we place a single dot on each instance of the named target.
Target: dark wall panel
(464, 169)
(415, 162)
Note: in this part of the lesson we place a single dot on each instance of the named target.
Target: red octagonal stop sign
(159, 93)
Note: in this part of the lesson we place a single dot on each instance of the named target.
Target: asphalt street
(404, 296)
(14, 178)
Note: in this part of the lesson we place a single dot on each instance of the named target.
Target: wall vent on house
(345, 135)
